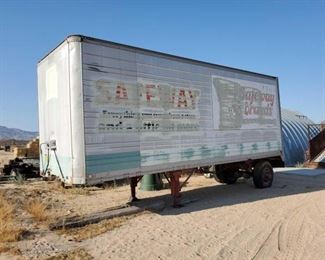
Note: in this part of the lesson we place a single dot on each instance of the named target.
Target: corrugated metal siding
(118, 151)
(295, 136)
(320, 158)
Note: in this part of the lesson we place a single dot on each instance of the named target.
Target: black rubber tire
(225, 176)
(263, 175)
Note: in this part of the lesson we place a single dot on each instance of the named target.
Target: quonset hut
(295, 136)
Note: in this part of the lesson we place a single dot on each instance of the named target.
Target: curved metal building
(295, 136)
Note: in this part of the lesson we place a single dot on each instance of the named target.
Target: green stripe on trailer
(112, 162)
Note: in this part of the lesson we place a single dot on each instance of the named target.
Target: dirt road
(286, 221)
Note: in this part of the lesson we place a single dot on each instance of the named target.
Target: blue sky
(280, 38)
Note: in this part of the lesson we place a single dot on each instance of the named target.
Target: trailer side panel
(146, 112)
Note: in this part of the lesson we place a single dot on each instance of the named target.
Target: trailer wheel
(263, 175)
(225, 176)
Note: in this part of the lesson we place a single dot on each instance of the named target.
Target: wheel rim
(267, 175)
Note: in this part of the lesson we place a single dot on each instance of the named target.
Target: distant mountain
(14, 133)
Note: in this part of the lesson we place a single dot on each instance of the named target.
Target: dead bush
(37, 209)
(9, 249)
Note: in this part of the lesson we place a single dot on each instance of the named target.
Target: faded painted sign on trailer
(131, 111)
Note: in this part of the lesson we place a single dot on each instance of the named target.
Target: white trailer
(110, 111)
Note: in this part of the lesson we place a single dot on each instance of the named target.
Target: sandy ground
(217, 221)
(5, 157)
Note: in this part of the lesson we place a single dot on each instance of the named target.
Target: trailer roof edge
(83, 38)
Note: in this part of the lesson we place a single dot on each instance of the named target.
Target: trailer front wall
(145, 112)
(54, 111)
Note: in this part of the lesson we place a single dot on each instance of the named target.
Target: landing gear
(173, 179)
(133, 184)
(175, 187)
(263, 175)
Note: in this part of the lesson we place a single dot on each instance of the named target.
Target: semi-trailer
(110, 111)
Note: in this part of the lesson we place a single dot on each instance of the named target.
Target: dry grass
(94, 230)
(9, 249)
(110, 185)
(299, 165)
(9, 232)
(37, 209)
(57, 186)
(78, 191)
(6, 209)
(76, 254)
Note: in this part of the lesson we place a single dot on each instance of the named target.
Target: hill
(14, 133)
